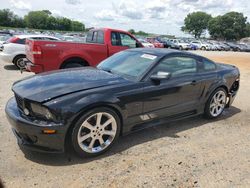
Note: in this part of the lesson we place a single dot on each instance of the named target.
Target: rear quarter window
(208, 65)
(95, 37)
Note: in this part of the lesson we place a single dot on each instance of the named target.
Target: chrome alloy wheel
(21, 63)
(97, 132)
(218, 103)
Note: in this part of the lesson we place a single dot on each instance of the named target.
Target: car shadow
(10, 67)
(170, 130)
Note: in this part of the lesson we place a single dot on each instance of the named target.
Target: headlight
(41, 111)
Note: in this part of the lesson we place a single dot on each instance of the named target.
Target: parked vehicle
(3, 38)
(172, 45)
(181, 43)
(244, 47)
(201, 45)
(213, 46)
(14, 49)
(193, 47)
(100, 44)
(222, 46)
(155, 42)
(89, 108)
(164, 41)
(233, 46)
(146, 44)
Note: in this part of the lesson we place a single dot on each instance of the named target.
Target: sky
(153, 16)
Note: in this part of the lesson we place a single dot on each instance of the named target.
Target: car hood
(46, 86)
(184, 43)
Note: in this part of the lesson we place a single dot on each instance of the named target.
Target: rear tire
(203, 48)
(215, 104)
(19, 61)
(72, 65)
(95, 132)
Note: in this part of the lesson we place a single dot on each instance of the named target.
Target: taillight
(37, 51)
(12, 40)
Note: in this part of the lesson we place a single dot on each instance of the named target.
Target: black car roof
(161, 51)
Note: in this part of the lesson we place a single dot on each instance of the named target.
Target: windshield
(128, 64)
(181, 41)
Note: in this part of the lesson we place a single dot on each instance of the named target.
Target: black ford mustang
(91, 107)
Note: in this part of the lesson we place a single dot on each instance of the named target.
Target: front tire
(216, 104)
(95, 132)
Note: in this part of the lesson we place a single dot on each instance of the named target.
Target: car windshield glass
(131, 65)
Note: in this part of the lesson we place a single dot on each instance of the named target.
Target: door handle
(194, 82)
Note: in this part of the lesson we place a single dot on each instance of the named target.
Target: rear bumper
(30, 133)
(34, 67)
(6, 57)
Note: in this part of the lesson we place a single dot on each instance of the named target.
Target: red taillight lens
(37, 51)
(12, 40)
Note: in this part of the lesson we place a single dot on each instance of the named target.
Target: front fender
(69, 107)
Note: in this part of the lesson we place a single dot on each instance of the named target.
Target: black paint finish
(69, 93)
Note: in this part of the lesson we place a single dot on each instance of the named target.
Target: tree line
(230, 26)
(39, 20)
(141, 33)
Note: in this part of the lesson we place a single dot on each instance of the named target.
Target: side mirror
(160, 76)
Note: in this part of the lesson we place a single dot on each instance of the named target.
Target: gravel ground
(189, 153)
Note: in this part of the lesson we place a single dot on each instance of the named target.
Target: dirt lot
(189, 153)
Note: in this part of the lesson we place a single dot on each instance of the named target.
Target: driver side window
(177, 66)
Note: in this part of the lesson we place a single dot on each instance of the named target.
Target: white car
(146, 44)
(202, 45)
(181, 43)
(14, 49)
(3, 38)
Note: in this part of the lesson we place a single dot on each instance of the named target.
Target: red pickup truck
(100, 44)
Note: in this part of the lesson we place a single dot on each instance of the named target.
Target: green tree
(64, 24)
(132, 31)
(230, 26)
(51, 23)
(36, 19)
(47, 12)
(142, 33)
(6, 17)
(196, 23)
(214, 27)
(9, 19)
(18, 22)
(247, 30)
(39, 20)
(77, 26)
